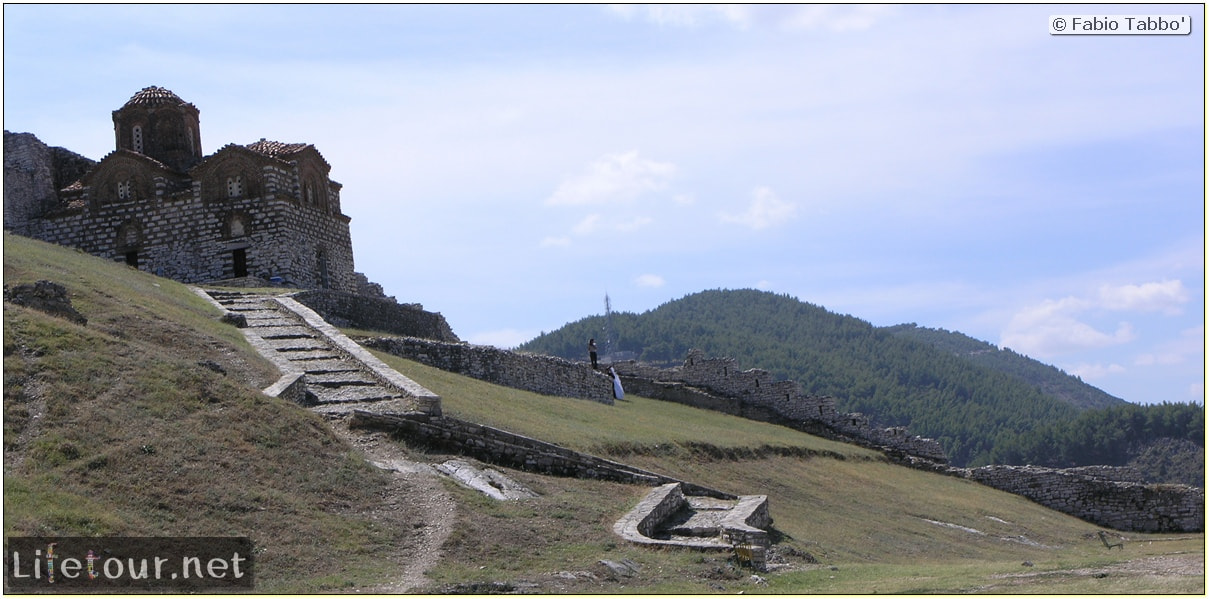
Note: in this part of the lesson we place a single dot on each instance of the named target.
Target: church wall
(240, 212)
(190, 234)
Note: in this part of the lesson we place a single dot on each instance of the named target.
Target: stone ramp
(336, 375)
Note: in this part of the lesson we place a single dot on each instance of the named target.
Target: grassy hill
(116, 429)
(124, 427)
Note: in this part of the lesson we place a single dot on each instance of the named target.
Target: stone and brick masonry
(546, 375)
(344, 309)
(1111, 503)
(265, 209)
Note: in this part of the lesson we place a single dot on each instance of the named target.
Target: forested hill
(1049, 379)
(977, 412)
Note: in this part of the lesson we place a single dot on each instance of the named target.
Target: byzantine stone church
(266, 210)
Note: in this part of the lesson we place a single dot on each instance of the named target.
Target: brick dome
(154, 96)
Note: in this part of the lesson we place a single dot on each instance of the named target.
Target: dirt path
(416, 500)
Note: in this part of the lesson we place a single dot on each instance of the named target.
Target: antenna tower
(608, 334)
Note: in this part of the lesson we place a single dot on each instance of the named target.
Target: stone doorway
(239, 263)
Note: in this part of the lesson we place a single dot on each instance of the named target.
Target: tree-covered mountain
(979, 402)
(1049, 379)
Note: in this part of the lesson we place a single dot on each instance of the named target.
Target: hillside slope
(870, 525)
(148, 420)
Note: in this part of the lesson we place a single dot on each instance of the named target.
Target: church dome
(154, 96)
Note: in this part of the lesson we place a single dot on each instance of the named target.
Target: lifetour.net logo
(109, 564)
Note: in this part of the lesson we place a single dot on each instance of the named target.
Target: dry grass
(114, 428)
(633, 426)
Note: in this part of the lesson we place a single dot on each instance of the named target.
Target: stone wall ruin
(344, 309)
(1111, 503)
(546, 375)
(718, 384)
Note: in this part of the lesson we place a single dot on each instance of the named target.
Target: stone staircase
(336, 375)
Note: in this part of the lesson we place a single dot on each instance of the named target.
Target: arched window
(124, 190)
(234, 186)
(136, 137)
(237, 229)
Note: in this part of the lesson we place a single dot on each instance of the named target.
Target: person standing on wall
(592, 351)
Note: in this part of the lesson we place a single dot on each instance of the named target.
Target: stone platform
(667, 517)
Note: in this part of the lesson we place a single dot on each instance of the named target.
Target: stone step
(297, 345)
(245, 308)
(325, 366)
(222, 296)
(302, 357)
(373, 393)
(340, 410)
(285, 332)
(268, 319)
(340, 379)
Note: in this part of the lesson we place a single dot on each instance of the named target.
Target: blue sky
(507, 166)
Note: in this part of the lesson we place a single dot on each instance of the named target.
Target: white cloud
(555, 242)
(614, 178)
(1055, 327)
(1164, 296)
(1091, 372)
(684, 199)
(1050, 328)
(764, 210)
(649, 280)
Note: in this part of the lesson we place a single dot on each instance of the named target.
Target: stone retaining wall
(1110, 503)
(718, 384)
(540, 374)
(377, 314)
(495, 446)
(748, 521)
(290, 387)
